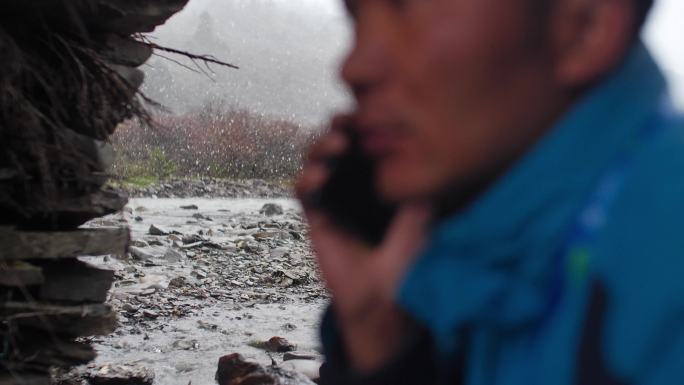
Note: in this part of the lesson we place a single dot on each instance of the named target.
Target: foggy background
(289, 52)
(665, 36)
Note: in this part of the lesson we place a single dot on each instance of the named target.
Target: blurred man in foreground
(539, 175)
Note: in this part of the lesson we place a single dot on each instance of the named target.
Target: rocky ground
(210, 188)
(207, 277)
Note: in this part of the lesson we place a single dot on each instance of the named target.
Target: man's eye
(403, 4)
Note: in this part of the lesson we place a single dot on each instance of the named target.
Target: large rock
(158, 230)
(271, 209)
(75, 321)
(45, 349)
(127, 17)
(76, 211)
(173, 255)
(140, 253)
(25, 379)
(233, 369)
(122, 17)
(126, 51)
(62, 244)
(75, 281)
(279, 345)
(20, 274)
(121, 375)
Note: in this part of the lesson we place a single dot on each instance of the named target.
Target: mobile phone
(350, 198)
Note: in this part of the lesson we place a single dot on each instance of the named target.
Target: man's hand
(363, 280)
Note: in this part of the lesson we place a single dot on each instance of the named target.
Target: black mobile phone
(350, 198)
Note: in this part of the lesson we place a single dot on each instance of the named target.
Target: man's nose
(368, 64)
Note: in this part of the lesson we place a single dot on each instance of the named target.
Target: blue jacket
(570, 268)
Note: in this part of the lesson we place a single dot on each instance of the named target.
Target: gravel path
(218, 276)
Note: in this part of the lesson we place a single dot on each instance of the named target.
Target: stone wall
(69, 77)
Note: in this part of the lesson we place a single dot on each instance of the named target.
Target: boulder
(62, 244)
(271, 209)
(172, 255)
(158, 230)
(233, 369)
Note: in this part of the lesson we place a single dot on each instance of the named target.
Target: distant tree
(205, 32)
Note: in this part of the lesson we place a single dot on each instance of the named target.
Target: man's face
(447, 90)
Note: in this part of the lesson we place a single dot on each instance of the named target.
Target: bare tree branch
(177, 63)
(204, 58)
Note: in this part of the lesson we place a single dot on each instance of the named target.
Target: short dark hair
(643, 7)
(540, 9)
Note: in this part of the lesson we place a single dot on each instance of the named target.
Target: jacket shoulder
(640, 260)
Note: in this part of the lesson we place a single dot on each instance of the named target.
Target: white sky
(665, 35)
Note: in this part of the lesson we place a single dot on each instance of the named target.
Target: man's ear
(589, 38)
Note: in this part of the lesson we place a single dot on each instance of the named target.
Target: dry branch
(203, 58)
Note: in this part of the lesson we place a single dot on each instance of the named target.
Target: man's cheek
(405, 174)
(399, 183)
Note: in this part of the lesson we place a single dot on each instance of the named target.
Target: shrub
(213, 142)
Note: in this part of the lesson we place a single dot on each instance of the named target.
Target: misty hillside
(288, 52)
